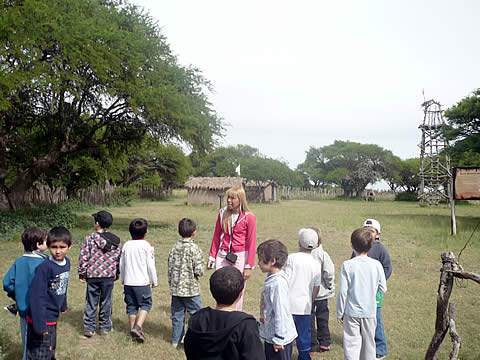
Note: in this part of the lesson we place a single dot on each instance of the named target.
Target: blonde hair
(238, 193)
(319, 233)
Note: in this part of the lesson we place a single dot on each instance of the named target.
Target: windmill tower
(435, 174)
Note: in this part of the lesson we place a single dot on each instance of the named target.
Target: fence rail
(289, 193)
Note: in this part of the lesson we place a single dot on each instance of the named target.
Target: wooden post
(456, 340)
(444, 292)
(445, 310)
(451, 199)
(220, 198)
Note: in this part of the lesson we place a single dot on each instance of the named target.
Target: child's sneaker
(88, 334)
(324, 348)
(12, 309)
(138, 334)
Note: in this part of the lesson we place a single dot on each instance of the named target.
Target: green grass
(414, 236)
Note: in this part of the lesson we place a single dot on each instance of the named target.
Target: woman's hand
(246, 274)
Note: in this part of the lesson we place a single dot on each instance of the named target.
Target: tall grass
(414, 236)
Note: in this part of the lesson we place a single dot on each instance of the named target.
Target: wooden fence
(289, 193)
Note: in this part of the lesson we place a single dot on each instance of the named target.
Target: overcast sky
(293, 74)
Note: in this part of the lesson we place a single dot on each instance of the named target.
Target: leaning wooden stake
(444, 292)
(456, 340)
(445, 310)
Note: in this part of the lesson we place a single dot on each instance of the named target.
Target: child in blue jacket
(48, 296)
(19, 277)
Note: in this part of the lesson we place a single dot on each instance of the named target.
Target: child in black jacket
(223, 332)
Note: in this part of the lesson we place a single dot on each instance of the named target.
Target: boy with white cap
(305, 277)
(379, 252)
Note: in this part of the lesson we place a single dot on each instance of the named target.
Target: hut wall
(254, 193)
(204, 196)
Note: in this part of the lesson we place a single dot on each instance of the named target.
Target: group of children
(294, 301)
(38, 283)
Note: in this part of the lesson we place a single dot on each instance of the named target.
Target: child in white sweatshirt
(137, 269)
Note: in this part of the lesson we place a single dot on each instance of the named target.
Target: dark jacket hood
(112, 241)
(213, 331)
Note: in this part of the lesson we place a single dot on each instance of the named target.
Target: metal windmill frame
(435, 172)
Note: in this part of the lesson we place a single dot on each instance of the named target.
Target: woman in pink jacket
(235, 239)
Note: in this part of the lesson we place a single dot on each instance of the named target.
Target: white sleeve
(287, 268)
(342, 293)
(382, 284)
(328, 272)
(122, 264)
(152, 271)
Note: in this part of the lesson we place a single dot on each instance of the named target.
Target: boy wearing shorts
(137, 270)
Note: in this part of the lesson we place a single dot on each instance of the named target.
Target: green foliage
(123, 195)
(348, 164)
(403, 174)
(52, 215)
(253, 165)
(265, 170)
(12, 224)
(406, 196)
(223, 160)
(150, 162)
(4, 344)
(82, 80)
(464, 128)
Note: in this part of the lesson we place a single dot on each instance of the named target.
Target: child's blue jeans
(180, 305)
(302, 323)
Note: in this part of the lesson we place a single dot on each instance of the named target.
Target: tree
(153, 163)
(463, 127)
(79, 75)
(223, 161)
(263, 171)
(350, 165)
(403, 175)
(314, 167)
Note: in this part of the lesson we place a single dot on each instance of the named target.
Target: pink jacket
(244, 238)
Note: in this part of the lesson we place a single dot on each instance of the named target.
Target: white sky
(293, 74)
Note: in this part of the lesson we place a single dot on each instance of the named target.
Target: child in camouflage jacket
(185, 266)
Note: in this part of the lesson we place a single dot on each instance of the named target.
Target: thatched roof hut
(208, 190)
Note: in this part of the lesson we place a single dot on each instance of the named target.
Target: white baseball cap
(372, 223)
(308, 239)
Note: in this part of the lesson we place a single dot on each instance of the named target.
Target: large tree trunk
(25, 179)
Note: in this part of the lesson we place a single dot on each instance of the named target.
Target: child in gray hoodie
(276, 324)
(321, 337)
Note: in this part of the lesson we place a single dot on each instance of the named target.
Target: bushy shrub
(12, 224)
(406, 196)
(123, 195)
(52, 215)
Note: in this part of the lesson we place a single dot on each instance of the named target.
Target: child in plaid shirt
(185, 266)
(99, 267)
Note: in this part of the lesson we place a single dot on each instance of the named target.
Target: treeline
(91, 94)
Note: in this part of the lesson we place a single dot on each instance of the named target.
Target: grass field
(414, 236)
